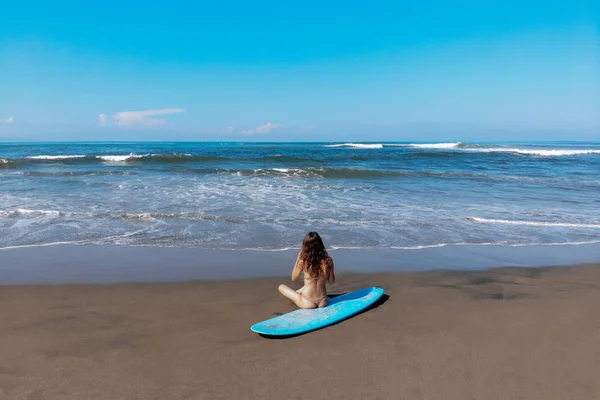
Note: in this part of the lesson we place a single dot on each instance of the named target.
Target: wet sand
(117, 264)
(510, 333)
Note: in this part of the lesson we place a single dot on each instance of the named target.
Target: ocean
(266, 196)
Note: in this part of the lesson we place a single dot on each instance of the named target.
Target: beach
(165, 167)
(519, 333)
(135, 270)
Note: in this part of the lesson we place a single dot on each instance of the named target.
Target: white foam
(533, 223)
(122, 158)
(259, 249)
(499, 244)
(59, 157)
(74, 242)
(141, 216)
(21, 211)
(423, 247)
(358, 145)
(538, 152)
(38, 212)
(554, 244)
(514, 150)
(281, 169)
(435, 145)
(4, 161)
(33, 213)
(24, 246)
(365, 146)
(103, 241)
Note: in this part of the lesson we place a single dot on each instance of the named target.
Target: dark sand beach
(510, 333)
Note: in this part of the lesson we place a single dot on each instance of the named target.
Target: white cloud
(8, 120)
(128, 118)
(139, 118)
(266, 128)
(261, 129)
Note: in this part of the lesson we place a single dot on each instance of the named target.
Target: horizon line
(32, 141)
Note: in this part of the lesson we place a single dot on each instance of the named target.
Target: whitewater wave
(533, 223)
(6, 163)
(473, 148)
(123, 157)
(26, 246)
(463, 244)
(453, 145)
(150, 216)
(145, 216)
(158, 157)
(59, 157)
(75, 173)
(98, 241)
(433, 145)
(112, 158)
(499, 244)
(358, 145)
(113, 240)
(536, 152)
(25, 212)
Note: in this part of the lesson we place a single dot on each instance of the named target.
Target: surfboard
(302, 321)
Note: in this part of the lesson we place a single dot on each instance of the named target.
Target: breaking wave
(473, 148)
(358, 145)
(537, 152)
(533, 223)
(59, 157)
(432, 145)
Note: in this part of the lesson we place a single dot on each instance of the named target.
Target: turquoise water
(266, 196)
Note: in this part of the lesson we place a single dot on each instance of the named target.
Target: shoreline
(121, 264)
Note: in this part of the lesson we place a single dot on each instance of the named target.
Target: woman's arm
(330, 271)
(297, 268)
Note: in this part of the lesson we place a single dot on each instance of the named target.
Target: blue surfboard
(302, 321)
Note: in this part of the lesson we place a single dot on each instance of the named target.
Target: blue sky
(271, 71)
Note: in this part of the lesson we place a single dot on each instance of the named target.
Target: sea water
(266, 196)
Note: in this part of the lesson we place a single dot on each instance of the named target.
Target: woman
(317, 266)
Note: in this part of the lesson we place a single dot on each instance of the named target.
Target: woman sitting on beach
(317, 266)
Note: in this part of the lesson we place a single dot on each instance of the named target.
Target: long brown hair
(313, 253)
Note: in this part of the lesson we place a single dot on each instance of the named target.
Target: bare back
(315, 289)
